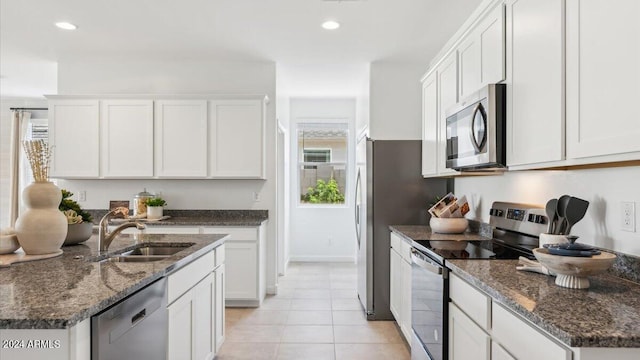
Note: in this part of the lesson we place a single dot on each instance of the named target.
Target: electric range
(516, 228)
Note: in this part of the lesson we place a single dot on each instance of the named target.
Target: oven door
(429, 292)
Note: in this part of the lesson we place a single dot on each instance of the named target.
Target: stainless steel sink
(136, 258)
(156, 250)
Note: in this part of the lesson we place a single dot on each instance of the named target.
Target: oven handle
(431, 267)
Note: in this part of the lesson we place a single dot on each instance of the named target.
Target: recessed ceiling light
(330, 25)
(66, 25)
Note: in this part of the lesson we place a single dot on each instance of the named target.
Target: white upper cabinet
(236, 132)
(126, 138)
(603, 77)
(74, 127)
(430, 125)
(481, 55)
(181, 138)
(447, 96)
(535, 81)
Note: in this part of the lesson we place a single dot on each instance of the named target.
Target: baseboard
(272, 290)
(345, 259)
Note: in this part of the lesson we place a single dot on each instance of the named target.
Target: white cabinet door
(180, 138)
(203, 321)
(603, 77)
(499, 353)
(242, 272)
(181, 313)
(466, 339)
(448, 96)
(237, 139)
(405, 305)
(219, 307)
(535, 78)
(395, 294)
(481, 55)
(126, 134)
(74, 135)
(430, 125)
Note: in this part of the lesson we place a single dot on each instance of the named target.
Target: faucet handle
(140, 226)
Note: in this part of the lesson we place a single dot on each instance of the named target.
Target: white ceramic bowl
(552, 239)
(448, 225)
(572, 271)
(9, 243)
(78, 233)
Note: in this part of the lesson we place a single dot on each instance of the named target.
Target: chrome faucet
(105, 237)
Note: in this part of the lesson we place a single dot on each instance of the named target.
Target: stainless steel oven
(476, 131)
(429, 308)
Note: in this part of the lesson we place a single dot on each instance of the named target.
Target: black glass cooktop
(441, 250)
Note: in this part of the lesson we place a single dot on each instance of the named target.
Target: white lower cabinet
(400, 284)
(195, 317)
(499, 353)
(245, 262)
(467, 340)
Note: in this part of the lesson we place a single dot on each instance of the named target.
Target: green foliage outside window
(324, 193)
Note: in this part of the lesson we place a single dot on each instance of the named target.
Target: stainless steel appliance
(135, 328)
(390, 190)
(515, 233)
(476, 131)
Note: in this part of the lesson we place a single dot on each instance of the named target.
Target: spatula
(563, 201)
(550, 209)
(575, 210)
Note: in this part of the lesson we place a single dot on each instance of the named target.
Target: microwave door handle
(474, 141)
(424, 264)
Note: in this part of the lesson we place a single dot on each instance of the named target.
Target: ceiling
(283, 31)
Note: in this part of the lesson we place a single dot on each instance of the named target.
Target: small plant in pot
(155, 207)
(79, 222)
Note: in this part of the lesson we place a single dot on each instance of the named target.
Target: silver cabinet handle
(424, 264)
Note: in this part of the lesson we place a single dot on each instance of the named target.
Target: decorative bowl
(552, 239)
(78, 233)
(448, 225)
(8, 243)
(572, 271)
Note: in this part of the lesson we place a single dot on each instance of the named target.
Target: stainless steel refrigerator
(390, 190)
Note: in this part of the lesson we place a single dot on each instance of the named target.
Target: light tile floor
(315, 316)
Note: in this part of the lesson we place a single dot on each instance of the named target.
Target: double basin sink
(148, 252)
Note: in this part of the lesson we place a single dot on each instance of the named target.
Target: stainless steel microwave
(476, 131)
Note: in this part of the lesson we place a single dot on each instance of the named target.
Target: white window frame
(328, 123)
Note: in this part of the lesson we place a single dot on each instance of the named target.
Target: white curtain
(19, 122)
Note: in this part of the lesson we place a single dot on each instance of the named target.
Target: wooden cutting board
(20, 256)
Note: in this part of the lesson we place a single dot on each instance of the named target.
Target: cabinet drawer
(220, 255)
(472, 301)
(405, 251)
(236, 233)
(395, 241)
(185, 278)
(522, 340)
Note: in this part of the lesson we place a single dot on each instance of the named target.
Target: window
(322, 160)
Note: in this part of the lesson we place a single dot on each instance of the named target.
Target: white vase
(42, 228)
(154, 212)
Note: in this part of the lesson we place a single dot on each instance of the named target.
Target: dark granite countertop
(203, 217)
(605, 315)
(58, 293)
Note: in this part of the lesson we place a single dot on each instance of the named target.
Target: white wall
(183, 77)
(322, 233)
(603, 188)
(396, 101)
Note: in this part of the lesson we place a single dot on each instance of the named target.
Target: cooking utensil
(563, 201)
(550, 209)
(576, 208)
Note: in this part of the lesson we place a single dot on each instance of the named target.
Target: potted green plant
(79, 222)
(155, 207)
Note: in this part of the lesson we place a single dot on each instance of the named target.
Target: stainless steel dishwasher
(134, 328)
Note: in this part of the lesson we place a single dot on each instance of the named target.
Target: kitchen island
(55, 299)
